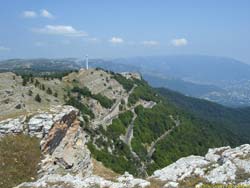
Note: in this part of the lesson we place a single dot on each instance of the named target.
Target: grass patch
(19, 158)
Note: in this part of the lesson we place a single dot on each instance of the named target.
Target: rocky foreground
(223, 165)
(67, 162)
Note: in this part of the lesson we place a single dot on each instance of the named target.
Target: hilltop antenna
(87, 62)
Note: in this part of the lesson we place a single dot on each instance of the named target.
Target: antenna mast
(87, 62)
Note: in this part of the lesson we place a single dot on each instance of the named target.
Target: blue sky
(112, 28)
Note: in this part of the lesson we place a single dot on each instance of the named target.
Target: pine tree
(24, 82)
(38, 98)
(30, 93)
(49, 91)
(37, 83)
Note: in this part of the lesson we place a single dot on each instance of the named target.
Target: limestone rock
(223, 165)
(9, 126)
(87, 182)
(65, 149)
(222, 174)
(181, 169)
(130, 181)
(171, 185)
(37, 124)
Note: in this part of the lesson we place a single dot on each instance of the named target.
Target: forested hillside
(235, 119)
(162, 133)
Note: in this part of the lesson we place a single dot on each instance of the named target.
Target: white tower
(87, 62)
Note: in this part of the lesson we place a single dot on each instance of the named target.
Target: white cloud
(65, 30)
(150, 43)
(29, 14)
(116, 40)
(3, 48)
(179, 42)
(46, 14)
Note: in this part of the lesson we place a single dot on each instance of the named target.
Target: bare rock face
(37, 124)
(181, 169)
(65, 150)
(220, 166)
(66, 159)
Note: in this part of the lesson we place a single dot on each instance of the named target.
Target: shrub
(49, 91)
(117, 163)
(30, 93)
(116, 129)
(83, 91)
(84, 109)
(38, 98)
(126, 83)
(104, 101)
(126, 118)
(37, 83)
(142, 92)
(43, 87)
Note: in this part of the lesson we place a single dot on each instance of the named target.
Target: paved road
(112, 113)
(129, 133)
(153, 144)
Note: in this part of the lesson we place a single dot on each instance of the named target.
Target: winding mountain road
(129, 133)
(151, 149)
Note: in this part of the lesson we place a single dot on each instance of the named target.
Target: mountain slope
(128, 125)
(145, 152)
(235, 119)
(222, 80)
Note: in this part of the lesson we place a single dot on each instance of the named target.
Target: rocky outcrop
(65, 150)
(66, 159)
(10, 125)
(131, 75)
(69, 181)
(220, 166)
(37, 124)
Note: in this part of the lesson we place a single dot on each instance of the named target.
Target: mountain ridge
(193, 75)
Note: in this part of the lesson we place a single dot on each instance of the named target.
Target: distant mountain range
(222, 80)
